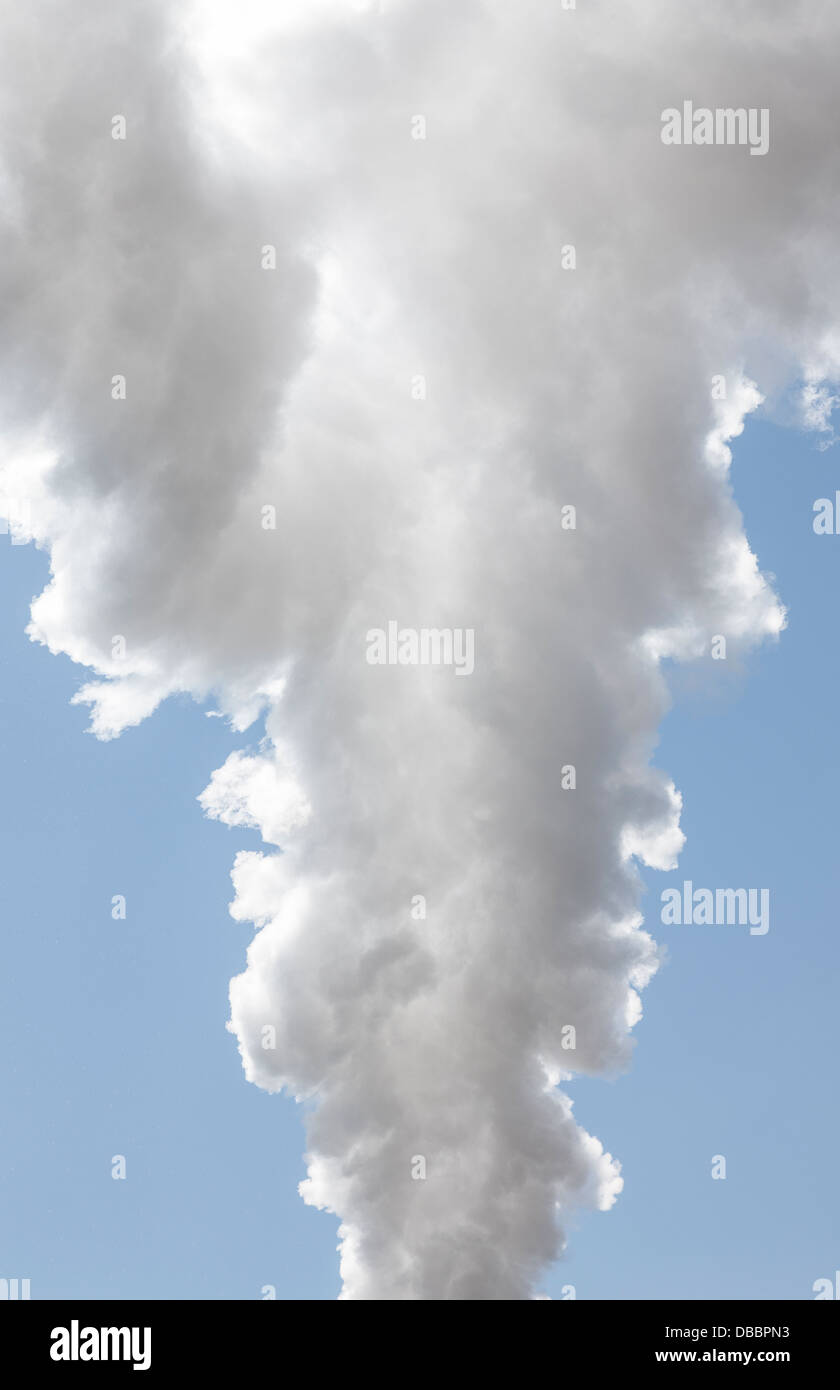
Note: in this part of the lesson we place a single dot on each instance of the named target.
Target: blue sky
(735, 1054)
(737, 1049)
(102, 1020)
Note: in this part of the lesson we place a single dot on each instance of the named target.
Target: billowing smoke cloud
(422, 278)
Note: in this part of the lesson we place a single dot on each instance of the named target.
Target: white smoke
(428, 1043)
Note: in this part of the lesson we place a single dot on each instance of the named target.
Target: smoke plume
(404, 313)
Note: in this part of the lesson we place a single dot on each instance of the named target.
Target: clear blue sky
(107, 1024)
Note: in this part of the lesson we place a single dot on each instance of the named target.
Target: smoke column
(417, 321)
